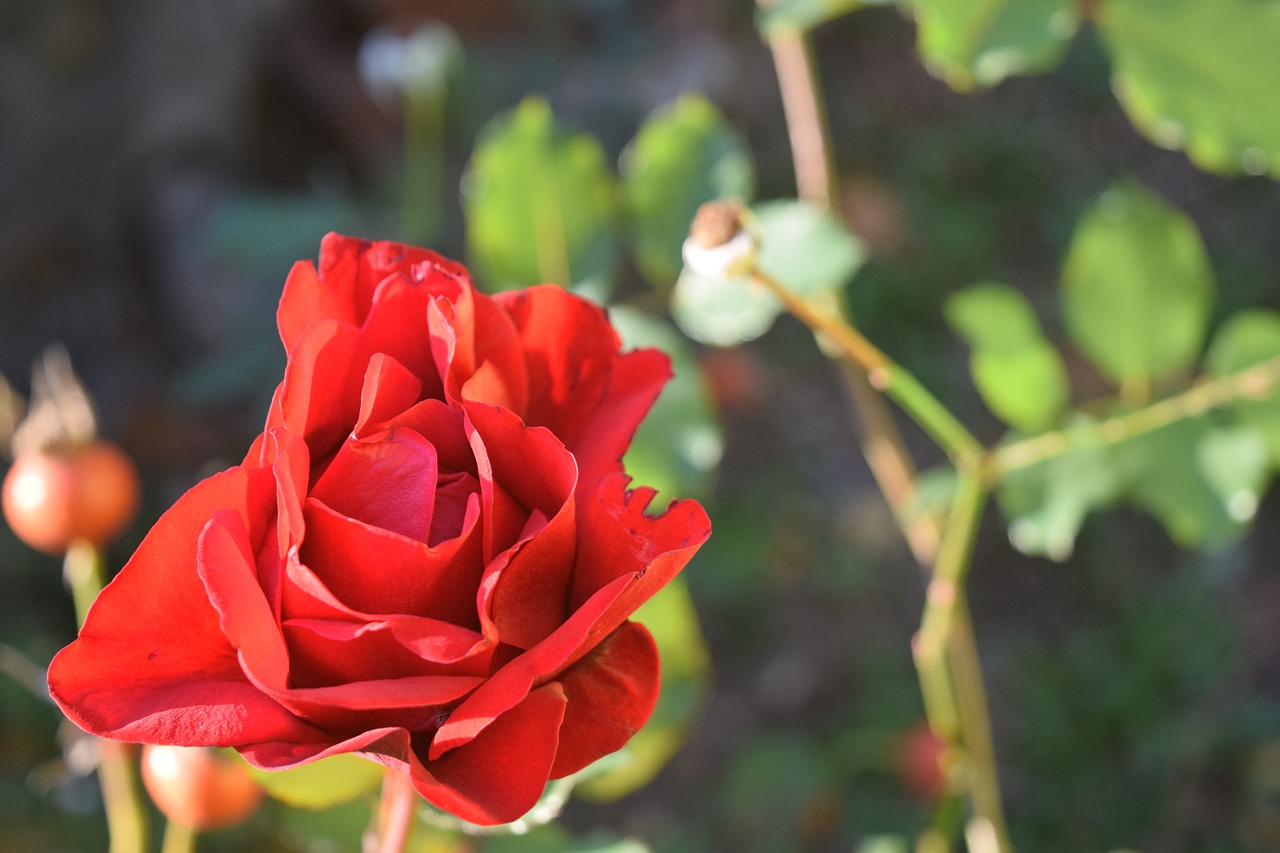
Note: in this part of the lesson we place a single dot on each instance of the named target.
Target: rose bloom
(428, 556)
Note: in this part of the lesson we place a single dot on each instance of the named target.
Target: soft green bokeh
(1137, 288)
(1244, 340)
(1200, 76)
(981, 42)
(1016, 370)
(685, 154)
(539, 203)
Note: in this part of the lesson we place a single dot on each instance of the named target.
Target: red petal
(591, 397)
(224, 560)
(325, 653)
(624, 557)
(386, 481)
(611, 693)
(499, 775)
(151, 663)
(616, 537)
(389, 388)
(319, 398)
(376, 571)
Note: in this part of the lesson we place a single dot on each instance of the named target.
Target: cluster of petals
(429, 556)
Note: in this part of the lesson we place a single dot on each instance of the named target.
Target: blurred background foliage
(163, 162)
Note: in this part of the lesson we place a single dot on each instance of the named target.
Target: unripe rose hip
(195, 786)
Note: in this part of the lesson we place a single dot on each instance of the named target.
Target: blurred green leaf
(1170, 482)
(884, 844)
(686, 669)
(1016, 370)
(539, 203)
(1244, 340)
(684, 155)
(968, 42)
(678, 446)
(801, 245)
(993, 316)
(805, 14)
(1235, 465)
(804, 247)
(1200, 76)
(722, 312)
(1137, 287)
(321, 784)
(1045, 505)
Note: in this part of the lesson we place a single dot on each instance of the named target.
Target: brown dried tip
(716, 223)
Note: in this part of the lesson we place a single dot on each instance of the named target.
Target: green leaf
(539, 203)
(1016, 370)
(1235, 465)
(804, 247)
(321, 784)
(1047, 504)
(801, 245)
(686, 667)
(722, 312)
(993, 316)
(1244, 340)
(1170, 480)
(968, 42)
(1137, 287)
(679, 444)
(1026, 389)
(1200, 76)
(805, 14)
(683, 156)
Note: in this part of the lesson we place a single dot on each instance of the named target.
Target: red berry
(197, 787)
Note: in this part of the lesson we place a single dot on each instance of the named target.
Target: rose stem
(1253, 383)
(178, 838)
(882, 445)
(804, 108)
(395, 813)
(121, 795)
(957, 712)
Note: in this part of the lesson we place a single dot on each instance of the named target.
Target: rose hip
(196, 787)
(53, 498)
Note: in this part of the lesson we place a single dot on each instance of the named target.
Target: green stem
(178, 838)
(1253, 383)
(947, 662)
(424, 144)
(884, 375)
(121, 794)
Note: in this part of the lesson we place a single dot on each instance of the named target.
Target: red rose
(428, 556)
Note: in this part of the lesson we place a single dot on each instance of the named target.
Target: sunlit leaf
(968, 42)
(1170, 482)
(539, 203)
(1244, 340)
(1137, 287)
(1046, 504)
(684, 155)
(1200, 76)
(722, 312)
(805, 14)
(322, 783)
(686, 666)
(804, 247)
(1016, 370)
(1235, 465)
(678, 446)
